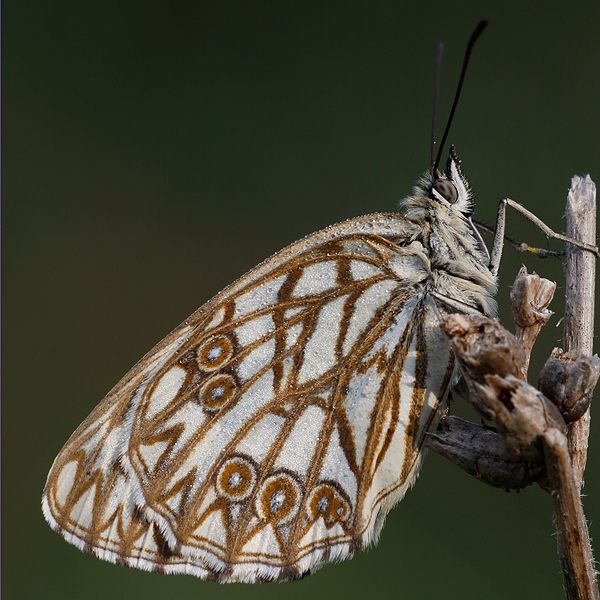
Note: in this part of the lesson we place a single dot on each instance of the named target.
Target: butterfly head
(441, 192)
(450, 188)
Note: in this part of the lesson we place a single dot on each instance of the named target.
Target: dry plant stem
(575, 552)
(579, 307)
(524, 417)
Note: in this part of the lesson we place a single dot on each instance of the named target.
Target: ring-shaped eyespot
(236, 479)
(278, 499)
(214, 353)
(217, 391)
(446, 189)
(327, 503)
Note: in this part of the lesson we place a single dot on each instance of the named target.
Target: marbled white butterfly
(275, 428)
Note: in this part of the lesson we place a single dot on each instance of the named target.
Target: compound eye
(446, 189)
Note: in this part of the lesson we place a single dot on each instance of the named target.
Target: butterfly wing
(274, 429)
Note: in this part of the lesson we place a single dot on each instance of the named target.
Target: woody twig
(541, 434)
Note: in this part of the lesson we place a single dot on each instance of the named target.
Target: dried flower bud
(529, 299)
(568, 380)
(484, 345)
(521, 413)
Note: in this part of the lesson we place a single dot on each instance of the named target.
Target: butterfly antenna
(436, 93)
(474, 37)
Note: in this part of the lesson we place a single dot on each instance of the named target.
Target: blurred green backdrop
(155, 151)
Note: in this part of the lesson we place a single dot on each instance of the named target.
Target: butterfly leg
(500, 226)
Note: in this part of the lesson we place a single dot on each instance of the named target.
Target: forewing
(272, 430)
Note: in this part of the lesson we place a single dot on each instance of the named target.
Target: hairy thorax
(455, 260)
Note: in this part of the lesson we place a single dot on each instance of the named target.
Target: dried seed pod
(521, 413)
(568, 379)
(484, 345)
(484, 454)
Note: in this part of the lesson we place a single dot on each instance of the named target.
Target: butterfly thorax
(457, 255)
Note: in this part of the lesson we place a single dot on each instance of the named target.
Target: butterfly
(274, 429)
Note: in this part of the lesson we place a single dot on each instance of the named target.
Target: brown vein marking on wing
(223, 505)
(117, 402)
(309, 318)
(108, 524)
(184, 485)
(164, 553)
(110, 477)
(332, 251)
(116, 521)
(81, 483)
(389, 392)
(418, 446)
(337, 417)
(443, 388)
(399, 229)
(152, 482)
(119, 413)
(303, 400)
(300, 400)
(242, 534)
(88, 474)
(345, 279)
(229, 305)
(137, 522)
(346, 367)
(418, 395)
(170, 436)
(300, 524)
(281, 327)
(442, 393)
(83, 434)
(305, 486)
(85, 477)
(312, 306)
(187, 391)
(415, 433)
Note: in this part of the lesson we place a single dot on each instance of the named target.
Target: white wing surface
(276, 427)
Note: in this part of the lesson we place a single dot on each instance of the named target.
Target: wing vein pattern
(276, 427)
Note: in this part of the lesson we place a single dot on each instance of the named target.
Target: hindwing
(274, 429)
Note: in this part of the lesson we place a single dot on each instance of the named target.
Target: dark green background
(155, 151)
